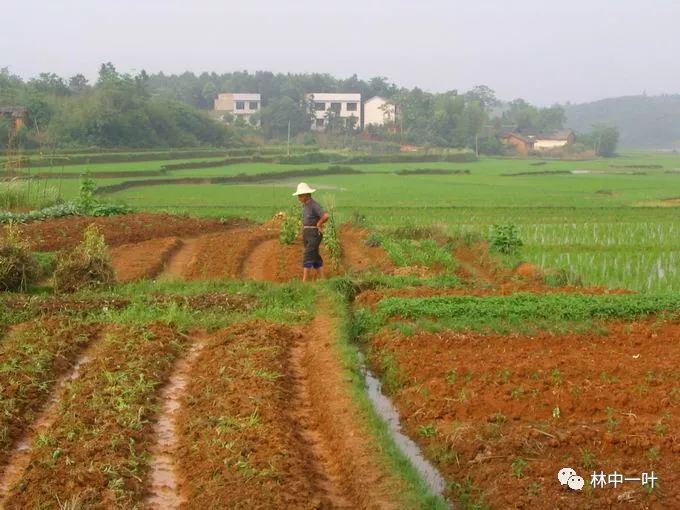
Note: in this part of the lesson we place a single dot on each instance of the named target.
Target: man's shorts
(311, 237)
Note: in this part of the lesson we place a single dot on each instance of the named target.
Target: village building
(379, 111)
(523, 145)
(328, 108)
(239, 105)
(526, 143)
(17, 114)
(554, 140)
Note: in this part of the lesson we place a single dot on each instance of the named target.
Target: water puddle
(386, 410)
(164, 492)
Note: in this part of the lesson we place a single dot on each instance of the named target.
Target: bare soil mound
(143, 260)
(510, 411)
(63, 233)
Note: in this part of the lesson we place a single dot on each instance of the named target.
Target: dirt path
(345, 451)
(21, 456)
(165, 491)
(471, 267)
(261, 263)
(179, 262)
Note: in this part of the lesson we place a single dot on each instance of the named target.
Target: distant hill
(644, 122)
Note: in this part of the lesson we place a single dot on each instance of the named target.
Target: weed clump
(86, 265)
(18, 266)
(505, 239)
(332, 238)
(291, 226)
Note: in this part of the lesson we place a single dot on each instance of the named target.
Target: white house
(327, 106)
(379, 111)
(555, 140)
(239, 105)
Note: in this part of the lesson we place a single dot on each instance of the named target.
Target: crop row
(525, 306)
(427, 253)
(95, 452)
(32, 357)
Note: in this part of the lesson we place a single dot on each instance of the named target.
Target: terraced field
(210, 377)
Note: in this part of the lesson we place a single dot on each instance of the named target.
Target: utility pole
(289, 138)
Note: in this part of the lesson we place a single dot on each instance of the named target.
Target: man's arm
(322, 220)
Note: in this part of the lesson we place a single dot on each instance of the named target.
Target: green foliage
(279, 112)
(525, 306)
(505, 239)
(290, 228)
(86, 198)
(645, 122)
(531, 119)
(27, 194)
(118, 111)
(519, 466)
(86, 265)
(18, 266)
(56, 211)
(603, 139)
(331, 237)
(425, 253)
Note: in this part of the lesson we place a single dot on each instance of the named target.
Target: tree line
(121, 110)
(117, 111)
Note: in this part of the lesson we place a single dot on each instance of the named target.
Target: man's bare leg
(305, 274)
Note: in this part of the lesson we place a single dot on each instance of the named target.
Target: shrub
(332, 240)
(86, 265)
(18, 266)
(290, 228)
(505, 239)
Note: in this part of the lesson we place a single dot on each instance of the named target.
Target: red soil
(267, 422)
(491, 400)
(63, 233)
(143, 260)
(251, 253)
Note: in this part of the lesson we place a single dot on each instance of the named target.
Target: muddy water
(164, 492)
(21, 457)
(388, 412)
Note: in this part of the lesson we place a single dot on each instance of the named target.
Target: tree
(209, 93)
(484, 95)
(606, 138)
(77, 84)
(275, 117)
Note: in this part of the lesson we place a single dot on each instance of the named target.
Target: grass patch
(414, 491)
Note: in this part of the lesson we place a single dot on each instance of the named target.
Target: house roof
(561, 135)
(519, 137)
(245, 96)
(15, 111)
(379, 98)
(334, 96)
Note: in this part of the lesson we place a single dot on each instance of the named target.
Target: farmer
(313, 219)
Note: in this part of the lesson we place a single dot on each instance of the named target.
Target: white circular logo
(564, 475)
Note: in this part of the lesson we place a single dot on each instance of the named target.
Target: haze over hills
(644, 122)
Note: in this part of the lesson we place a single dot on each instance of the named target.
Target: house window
(319, 123)
(320, 107)
(336, 107)
(351, 107)
(240, 105)
(253, 105)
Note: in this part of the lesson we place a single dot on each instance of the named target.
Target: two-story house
(239, 105)
(334, 109)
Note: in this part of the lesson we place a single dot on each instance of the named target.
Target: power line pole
(289, 138)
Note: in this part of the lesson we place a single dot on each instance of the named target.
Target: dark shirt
(311, 213)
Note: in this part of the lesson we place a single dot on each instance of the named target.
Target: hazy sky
(544, 51)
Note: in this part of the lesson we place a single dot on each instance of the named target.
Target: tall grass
(27, 194)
